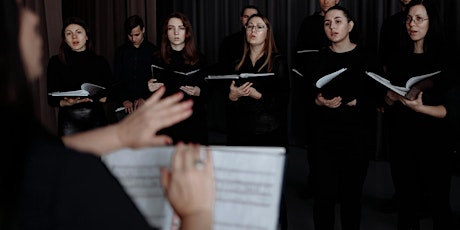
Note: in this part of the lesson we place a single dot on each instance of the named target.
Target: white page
(307, 51)
(416, 79)
(72, 93)
(398, 89)
(327, 78)
(248, 184)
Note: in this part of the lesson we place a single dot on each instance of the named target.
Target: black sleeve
(92, 198)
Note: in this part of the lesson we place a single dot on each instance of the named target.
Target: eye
(260, 27)
(181, 27)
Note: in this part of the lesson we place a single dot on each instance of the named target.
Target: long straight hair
(269, 46)
(190, 53)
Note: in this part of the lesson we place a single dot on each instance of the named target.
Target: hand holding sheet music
(171, 78)
(248, 184)
(87, 89)
(238, 76)
(401, 90)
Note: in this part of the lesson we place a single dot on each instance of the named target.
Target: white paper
(238, 76)
(248, 184)
(297, 72)
(327, 78)
(178, 72)
(400, 89)
(307, 51)
(87, 89)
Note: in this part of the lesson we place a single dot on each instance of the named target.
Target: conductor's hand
(190, 186)
(139, 129)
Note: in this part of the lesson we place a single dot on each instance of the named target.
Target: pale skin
(136, 37)
(190, 190)
(246, 14)
(176, 36)
(256, 40)
(438, 111)
(75, 37)
(337, 29)
(188, 204)
(326, 4)
(417, 33)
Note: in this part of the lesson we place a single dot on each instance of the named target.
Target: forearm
(97, 141)
(438, 111)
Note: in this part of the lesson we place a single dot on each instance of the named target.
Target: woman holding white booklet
(341, 125)
(419, 143)
(76, 64)
(257, 106)
(179, 66)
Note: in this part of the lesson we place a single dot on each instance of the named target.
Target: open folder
(248, 184)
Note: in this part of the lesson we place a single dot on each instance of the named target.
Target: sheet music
(327, 78)
(248, 184)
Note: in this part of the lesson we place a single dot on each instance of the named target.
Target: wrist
(198, 220)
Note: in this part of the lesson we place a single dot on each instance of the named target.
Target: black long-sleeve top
(231, 48)
(132, 70)
(347, 124)
(193, 129)
(393, 38)
(65, 189)
(82, 67)
(311, 34)
(406, 124)
(248, 118)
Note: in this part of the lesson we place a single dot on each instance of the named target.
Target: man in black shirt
(133, 61)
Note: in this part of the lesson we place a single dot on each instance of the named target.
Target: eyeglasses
(417, 20)
(255, 27)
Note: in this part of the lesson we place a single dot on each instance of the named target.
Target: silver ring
(199, 164)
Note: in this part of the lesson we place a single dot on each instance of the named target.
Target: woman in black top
(46, 185)
(76, 64)
(257, 107)
(179, 53)
(419, 143)
(341, 123)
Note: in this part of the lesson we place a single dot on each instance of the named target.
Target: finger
(178, 159)
(154, 100)
(165, 178)
(189, 156)
(156, 96)
(162, 140)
